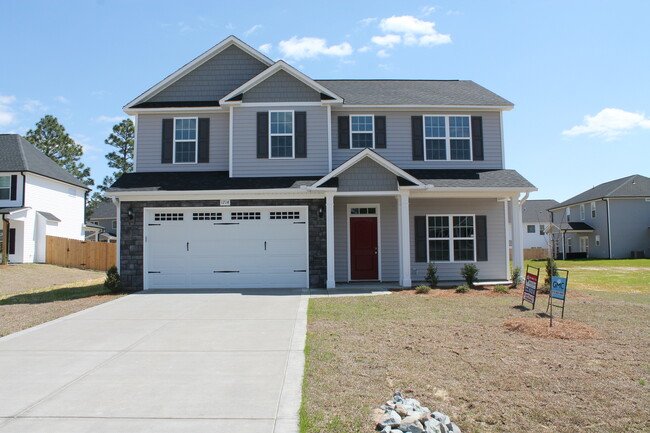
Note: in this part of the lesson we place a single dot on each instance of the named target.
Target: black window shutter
(420, 239)
(344, 132)
(380, 132)
(481, 238)
(204, 140)
(14, 181)
(300, 117)
(167, 141)
(477, 138)
(262, 134)
(11, 244)
(416, 138)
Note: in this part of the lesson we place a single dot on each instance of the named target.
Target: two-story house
(248, 173)
(101, 224)
(608, 221)
(38, 198)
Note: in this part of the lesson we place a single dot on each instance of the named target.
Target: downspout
(116, 202)
(609, 233)
(22, 173)
(5, 240)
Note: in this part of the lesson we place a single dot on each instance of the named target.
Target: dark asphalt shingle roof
(630, 186)
(105, 209)
(574, 226)
(472, 178)
(414, 92)
(48, 216)
(18, 154)
(536, 210)
(6, 210)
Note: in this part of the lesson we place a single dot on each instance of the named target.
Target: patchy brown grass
(540, 327)
(454, 354)
(30, 276)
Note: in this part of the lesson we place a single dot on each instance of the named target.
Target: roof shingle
(630, 186)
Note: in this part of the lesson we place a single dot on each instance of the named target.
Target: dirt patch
(563, 329)
(31, 276)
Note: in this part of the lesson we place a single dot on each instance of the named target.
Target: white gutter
(609, 229)
(523, 200)
(300, 190)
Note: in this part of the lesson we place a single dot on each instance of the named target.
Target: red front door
(363, 248)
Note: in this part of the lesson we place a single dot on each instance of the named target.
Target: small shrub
(544, 289)
(113, 281)
(551, 271)
(501, 289)
(432, 275)
(422, 290)
(462, 289)
(516, 277)
(469, 272)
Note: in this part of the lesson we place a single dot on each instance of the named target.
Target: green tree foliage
(122, 139)
(51, 138)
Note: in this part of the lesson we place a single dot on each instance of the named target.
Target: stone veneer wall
(131, 239)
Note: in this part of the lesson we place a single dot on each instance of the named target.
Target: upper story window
(5, 187)
(447, 138)
(542, 227)
(582, 212)
(281, 132)
(362, 132)
(530, 228)
(593, 209)
(451, 244)
(185, 140)
(568, 214)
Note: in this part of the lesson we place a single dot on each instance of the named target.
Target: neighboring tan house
(249, 173)
(611, 220)
(101, 224)
(535, 219)
(38, 198)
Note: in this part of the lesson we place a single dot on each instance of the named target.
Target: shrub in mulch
(562, 329)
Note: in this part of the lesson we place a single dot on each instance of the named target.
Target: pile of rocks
(406, 415)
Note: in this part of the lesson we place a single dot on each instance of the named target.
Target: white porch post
(329, 208)
(404, 239)
(517, 235)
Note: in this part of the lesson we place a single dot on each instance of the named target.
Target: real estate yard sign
(558, 292)
(530, 286)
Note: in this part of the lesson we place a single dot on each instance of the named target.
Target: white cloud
(363, 49)
(32, 105)
(610, 123)
(83, 141)
(7, 115)
(428, 10)
(265, 48)
(62, 99)
(413, 30)
(307, 47)
(252, 29)
(383, 53)
(109, 119)
(368, 21)
(6, 100)
(387, 40)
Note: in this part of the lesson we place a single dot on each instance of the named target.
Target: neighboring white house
(38, 198)
(535, 219)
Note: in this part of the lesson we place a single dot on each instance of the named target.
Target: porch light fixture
(130, 213)
(321, 211)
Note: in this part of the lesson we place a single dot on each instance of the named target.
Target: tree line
(51, 138)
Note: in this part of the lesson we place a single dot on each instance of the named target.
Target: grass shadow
(56, 294)
(521, 308)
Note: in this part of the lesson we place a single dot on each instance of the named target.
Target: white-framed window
(582, 212)
(5, 187)
(95, 222)
(542, 227)
(597, 242)
(569, 245)
(186, 140)
(114, 224)
(530, 228)
(281, 134)
(450, 238)
(362, 131)
(568, 214)
(593, 209)
(447, 138)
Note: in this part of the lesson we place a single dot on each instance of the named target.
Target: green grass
(64, 292)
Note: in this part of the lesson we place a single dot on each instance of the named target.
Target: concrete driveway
(160, 362)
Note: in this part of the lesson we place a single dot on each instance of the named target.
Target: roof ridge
(627, 180)
(22, 150)
(387, 79)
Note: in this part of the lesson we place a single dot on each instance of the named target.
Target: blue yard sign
(558, 288)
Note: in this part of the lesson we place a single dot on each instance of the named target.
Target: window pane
(361, 140)
(463, 227)
(4, 194)
(5, 182)
(459, 149)
(530, 229)
(185, 129)
(439, 250)
(434, 126)
(281, 122)
(464, 250)
(361, 123)
(438, 227)
(436, 149)
(281, 146)
(459, 126)
(185, 151)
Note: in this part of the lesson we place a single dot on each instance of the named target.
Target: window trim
(284, 134)
(8, 188)
(583, 213)
(593, 210)
(451, 238)
(447, 137)
(542, 227)
(568, 214)
(196, 141)
(363, 132)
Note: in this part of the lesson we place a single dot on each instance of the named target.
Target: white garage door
(226, 247)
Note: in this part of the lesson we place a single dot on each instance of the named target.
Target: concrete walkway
(160, 362)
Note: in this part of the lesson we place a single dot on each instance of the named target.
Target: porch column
(329, 208)
(404, 239)
(517, 235)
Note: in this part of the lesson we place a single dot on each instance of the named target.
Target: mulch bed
(562, 329)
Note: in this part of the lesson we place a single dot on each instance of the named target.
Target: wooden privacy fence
(72, 253)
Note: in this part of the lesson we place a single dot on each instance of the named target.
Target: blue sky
(577, 71)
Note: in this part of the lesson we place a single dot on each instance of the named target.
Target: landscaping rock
(402, 410)
(411, 421)
(376, 415)
(444, 419)
(434, 426)
(407, 415)
(423, 414)
(390, 418)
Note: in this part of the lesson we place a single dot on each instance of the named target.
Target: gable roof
(630, 186)
(18, 154)
(280, 65)
(198, 61)
(536, 210)
(105, 209)
(415, 92)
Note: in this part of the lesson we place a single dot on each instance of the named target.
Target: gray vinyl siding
(367, 175)
(399, 146)
(491, 270)
(213, 79)
(245, 159)
(599, 224)
(281, 87)
(629, 225)
(388, 236)
(149, 143)
(107, 223)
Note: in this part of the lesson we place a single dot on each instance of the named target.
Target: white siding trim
(230, 142)
(329, 138)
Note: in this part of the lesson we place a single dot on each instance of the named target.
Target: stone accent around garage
(132, 235)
